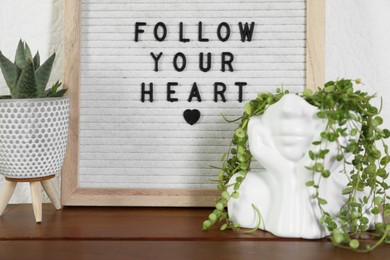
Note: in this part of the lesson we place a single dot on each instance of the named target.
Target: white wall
(358, 43)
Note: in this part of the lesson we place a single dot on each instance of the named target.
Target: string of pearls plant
(339, 103)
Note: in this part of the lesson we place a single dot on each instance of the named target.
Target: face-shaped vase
(293, 124)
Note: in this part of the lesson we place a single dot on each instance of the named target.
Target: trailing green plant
(26, 77)
(366, 171)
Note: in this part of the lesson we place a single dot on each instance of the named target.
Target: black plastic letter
(149, 92)
(194, 93)
(240, 85)
(164, 30)
(201, 67)
(183, 64)
(227, 62)
(156, 59)
(170, 91)
(221, 92)
(200, 32)
(181, 34)
(138, 30)
(246, 32)
(227, 34)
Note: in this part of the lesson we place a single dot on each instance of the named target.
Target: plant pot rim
(22, 100)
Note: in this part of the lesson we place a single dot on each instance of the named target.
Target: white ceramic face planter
(280, 140)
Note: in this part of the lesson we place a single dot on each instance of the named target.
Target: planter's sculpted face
(292, 123)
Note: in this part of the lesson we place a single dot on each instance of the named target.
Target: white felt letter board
(149, 80)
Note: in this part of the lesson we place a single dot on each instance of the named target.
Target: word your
(180, 61)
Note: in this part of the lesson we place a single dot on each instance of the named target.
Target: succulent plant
(26, 77)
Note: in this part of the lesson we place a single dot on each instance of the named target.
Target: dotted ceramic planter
(33, 136)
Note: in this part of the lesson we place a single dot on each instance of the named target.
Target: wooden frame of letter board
(72, 194)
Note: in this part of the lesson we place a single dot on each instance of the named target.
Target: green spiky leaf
(20, 58)
(42, 75)
(26, 86)
(10, 73)
(27, 52)
(59, 93)
(37, 60)
(54, 92)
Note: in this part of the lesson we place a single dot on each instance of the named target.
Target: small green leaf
(219, 206)
(386, 133)
(378, 200)
(240, 132)
(354, 243)
(235, 195)
(358, 81)
(312, 155)
(387, 227)
(223, 227)
(325, 173)
(244, 166)
(241, 149)
(329, 83)
(241, 158)
(206, 224)
(239, 179)
(385, 160)
(307, 92)
(225, 195)
(378, 120)
(318, 167)
(322, 201)
(322, 153)
(329, 89)
(347, 191)
(375, 211)
(212, 217)
(248, 108)
(355, 215)
(321, 114)
(309, 183)
(337, 237)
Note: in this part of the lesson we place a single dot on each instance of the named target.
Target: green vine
(340, 104)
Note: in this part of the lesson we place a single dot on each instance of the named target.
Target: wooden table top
(147, 233)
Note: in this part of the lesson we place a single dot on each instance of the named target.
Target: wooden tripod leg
(6, 194)
(51, 192)
(36, 198)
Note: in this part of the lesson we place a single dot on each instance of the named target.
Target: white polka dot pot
(33, 136)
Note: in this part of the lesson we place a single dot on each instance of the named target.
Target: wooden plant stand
(36, 197)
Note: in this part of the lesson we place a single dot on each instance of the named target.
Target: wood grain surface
(147, 233)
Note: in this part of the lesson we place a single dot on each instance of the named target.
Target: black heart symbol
(191, 116)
